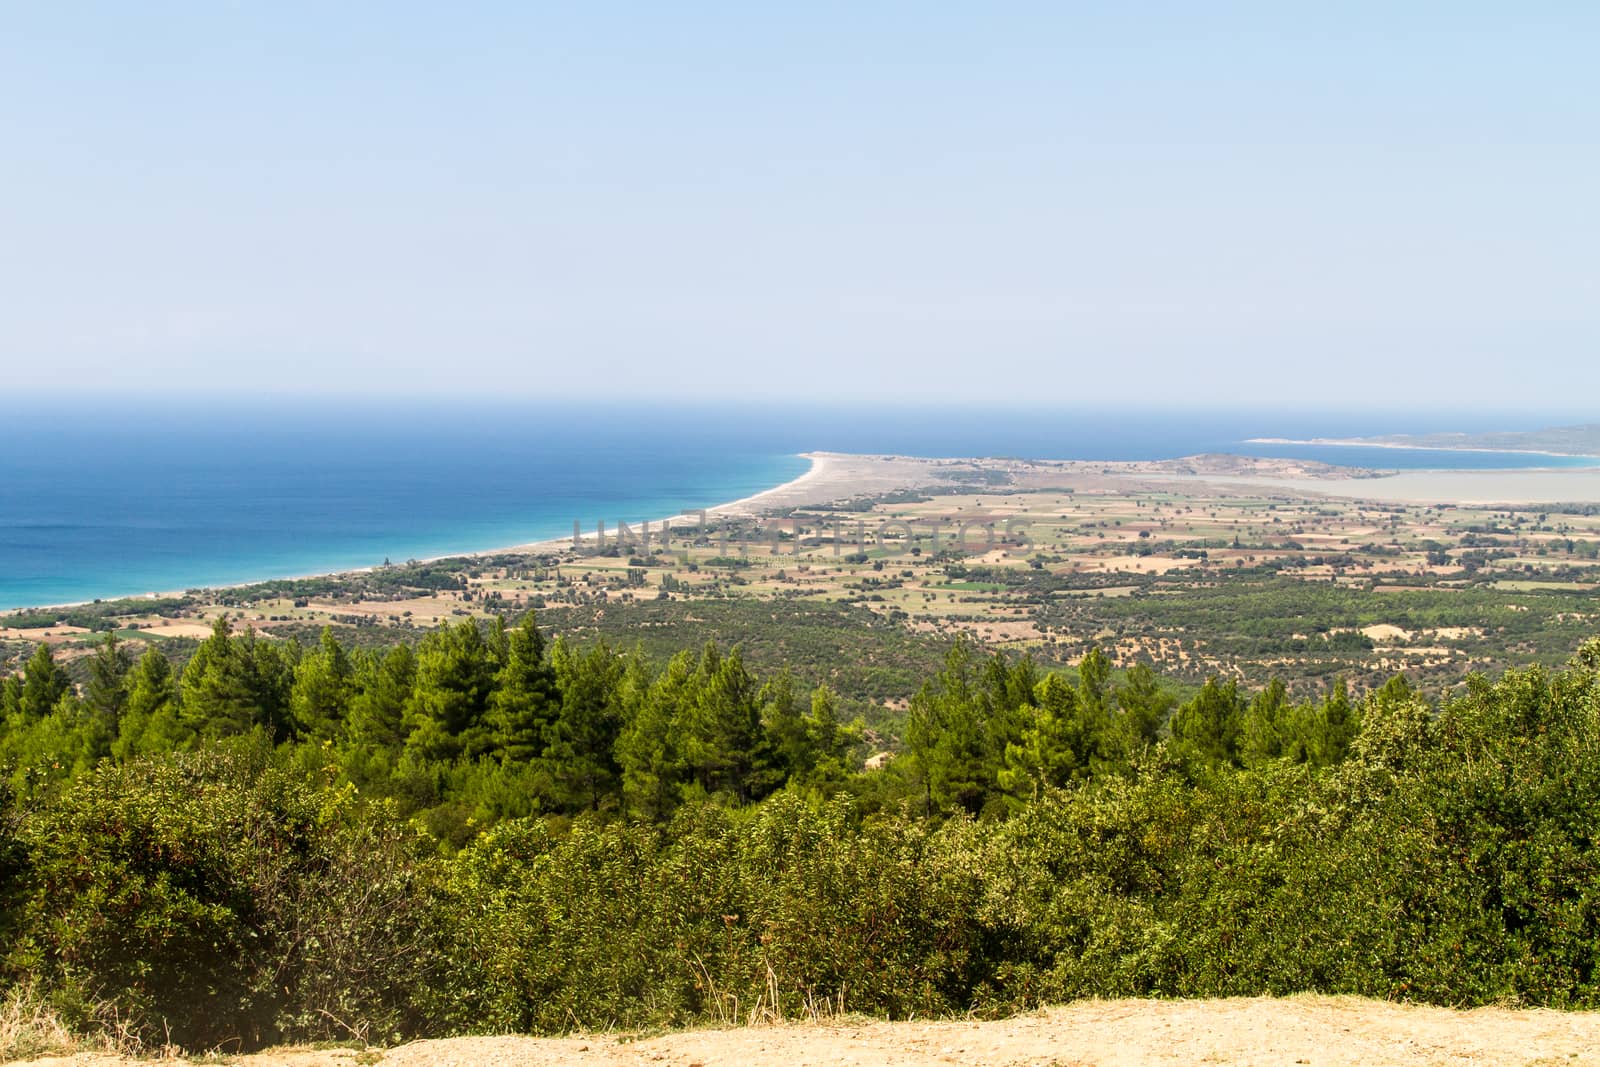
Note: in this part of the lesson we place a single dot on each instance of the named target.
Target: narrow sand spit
(1304, 1029)
(1573, 485)
(832, 476)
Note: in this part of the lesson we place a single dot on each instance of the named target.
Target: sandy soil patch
(1005, 631)
(1308, 1030)
(1455, 633)
(201, 630)
(49, 635)
(1134, 564)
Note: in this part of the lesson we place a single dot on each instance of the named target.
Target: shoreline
(745, 505)
(839, 475)
(546, 545)
(831, 476)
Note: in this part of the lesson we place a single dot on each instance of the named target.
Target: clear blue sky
(1343, 204)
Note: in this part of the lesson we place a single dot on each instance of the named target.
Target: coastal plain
(1200, 566)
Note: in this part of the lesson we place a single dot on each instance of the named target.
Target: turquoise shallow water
(101, 500)
(111, 509)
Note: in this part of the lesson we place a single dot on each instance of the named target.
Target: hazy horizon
(1370, 208)
(1419, 417)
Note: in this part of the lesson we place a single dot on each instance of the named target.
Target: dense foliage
(484, 832)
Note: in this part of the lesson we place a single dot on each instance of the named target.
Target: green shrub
(722, 914)
(214, 899)
(242, 895)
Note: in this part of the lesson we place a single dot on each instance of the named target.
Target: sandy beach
(833, 476)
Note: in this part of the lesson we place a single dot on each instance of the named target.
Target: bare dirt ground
(1296, 1030)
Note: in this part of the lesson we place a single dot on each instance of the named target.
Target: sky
(1362, 205)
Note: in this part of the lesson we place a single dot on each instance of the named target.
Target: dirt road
(1297, 1030)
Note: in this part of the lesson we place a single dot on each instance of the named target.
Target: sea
(106, 498)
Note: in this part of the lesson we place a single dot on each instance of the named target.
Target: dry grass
(29, 1028)
(768, 1009)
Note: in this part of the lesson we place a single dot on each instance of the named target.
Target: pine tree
(43, 684)
(647, 747)
(1324, 732)
(1005, 688)
(1207, 727)
(788, 736)
(587, 727)
(11, 697)
(446, 715)
(1094, 683)
(831, 741)
(107, 694)
(805, 744)
(1265, 733)
(150, 722)
(382, 688)
(947, 748)
(234, 685)
(1143, 707)
(526, 703)
(1045, 754)
(720, 726)
(319, 699)
(1065, 737)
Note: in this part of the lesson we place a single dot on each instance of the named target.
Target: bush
(214, 899)
(239, 895)
(722, 915)
(1451, 860)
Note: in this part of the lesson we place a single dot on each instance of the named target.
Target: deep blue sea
(99, 499)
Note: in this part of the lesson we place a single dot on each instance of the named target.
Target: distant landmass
(1555, 441)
